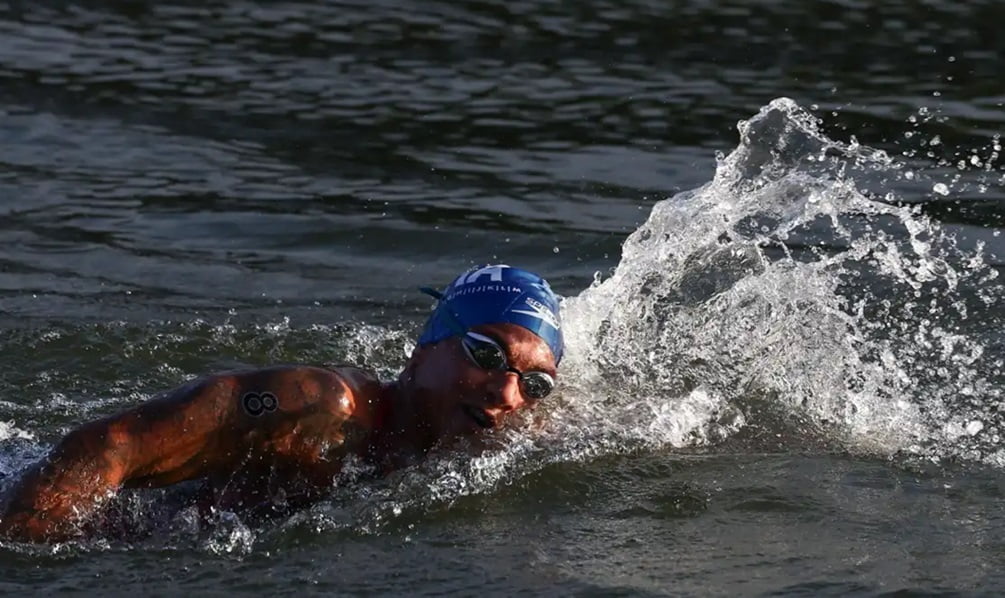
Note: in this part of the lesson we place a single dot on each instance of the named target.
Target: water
(785, 370)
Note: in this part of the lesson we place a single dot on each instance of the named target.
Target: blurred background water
(785, 371)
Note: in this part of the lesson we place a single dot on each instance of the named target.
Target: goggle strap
(432, 293)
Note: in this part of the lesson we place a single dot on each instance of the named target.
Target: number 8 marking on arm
(256, 404)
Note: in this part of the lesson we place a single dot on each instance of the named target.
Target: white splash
(778, 292)
(8, 431)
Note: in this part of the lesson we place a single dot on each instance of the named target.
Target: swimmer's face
(460, 397)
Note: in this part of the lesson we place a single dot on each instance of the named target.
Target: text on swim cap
(540, 311)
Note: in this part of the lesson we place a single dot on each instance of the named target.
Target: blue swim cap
(494, 295)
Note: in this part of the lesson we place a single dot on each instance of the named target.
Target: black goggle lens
(486, 355)
(537, 385)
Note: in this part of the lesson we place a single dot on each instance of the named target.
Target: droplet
(555, 249)
(941, 189)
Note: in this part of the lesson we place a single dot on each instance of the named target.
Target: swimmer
(490, 348)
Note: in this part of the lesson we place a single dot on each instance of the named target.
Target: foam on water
(780, 290)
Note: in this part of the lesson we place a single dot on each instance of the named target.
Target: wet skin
(217, 429)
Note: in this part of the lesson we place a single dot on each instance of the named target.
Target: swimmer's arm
(52, 496)
(197, 430)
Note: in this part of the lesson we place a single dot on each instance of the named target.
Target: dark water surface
(188, 186)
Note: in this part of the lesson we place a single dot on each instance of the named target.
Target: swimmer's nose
(506, 393)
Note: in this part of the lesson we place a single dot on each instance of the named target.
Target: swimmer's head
(496, 294)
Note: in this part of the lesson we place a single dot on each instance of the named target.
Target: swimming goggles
(487, 354)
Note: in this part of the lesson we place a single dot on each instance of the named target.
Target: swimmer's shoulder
(364, 389)
(249, 396)
(344, 391)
